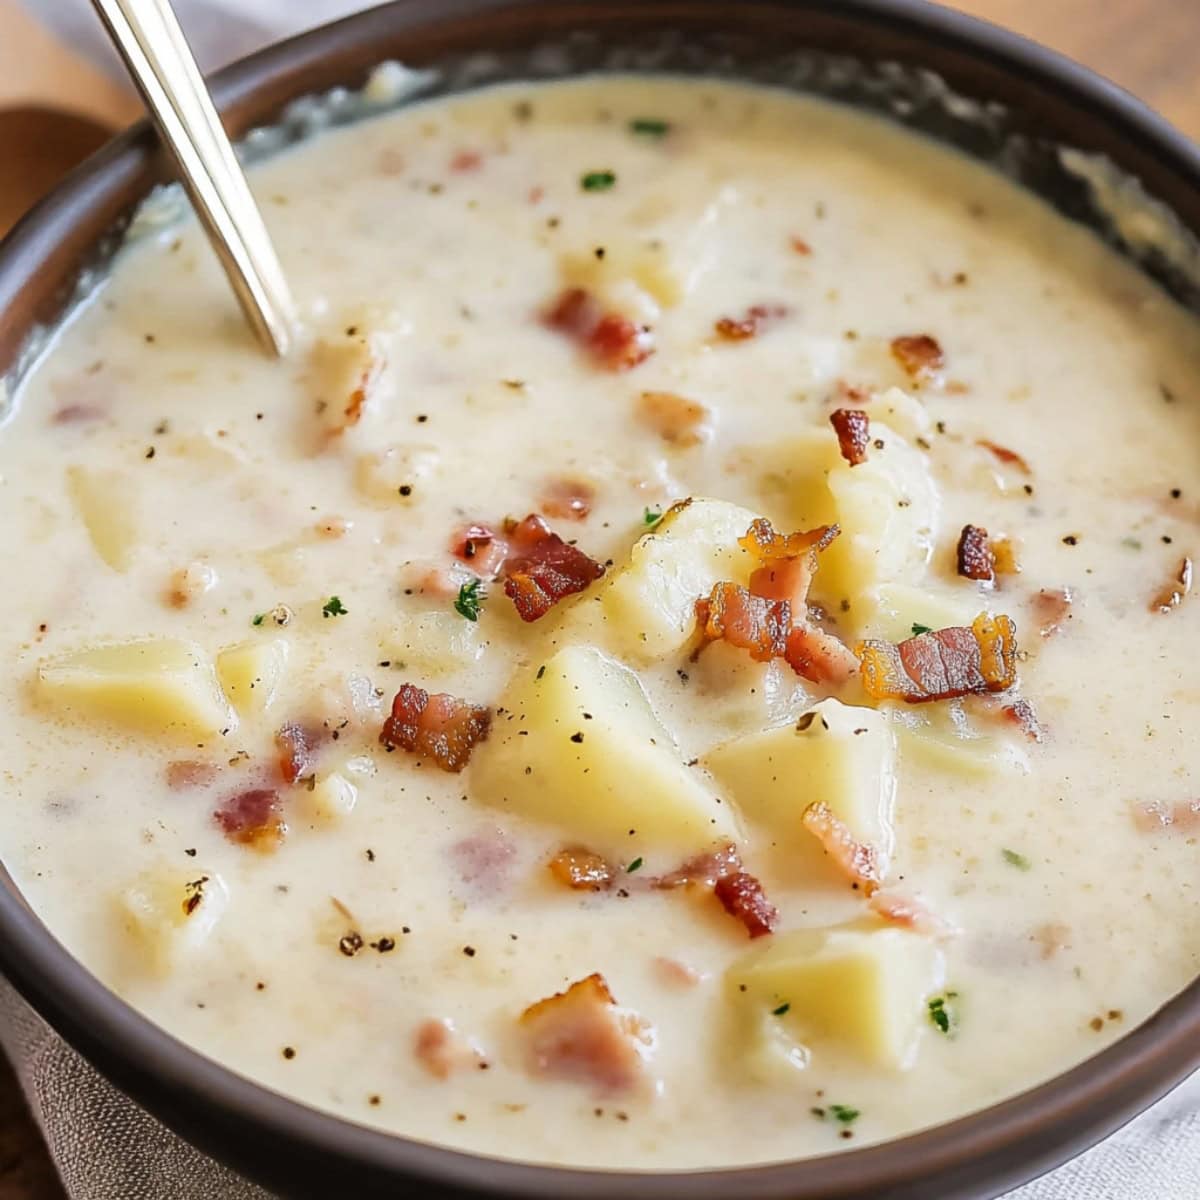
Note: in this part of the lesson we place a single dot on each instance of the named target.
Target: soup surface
(360, 702)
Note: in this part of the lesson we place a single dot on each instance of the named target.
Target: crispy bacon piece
(483, 862)
(944, 664)
(583, 1035)
(187, 773)
(567, 499)
(1173, 594)
(1010, 458)
(578, 868)
(818, 656)
(701, 869)
(1051, 607)
(734, 614)
(442, 1050)
(919, 355)
(297, 745)
(1004, 556)
(858, 862)
(542, 569)
(853, 429)
(1153, 815)
(481, 548)
(755, 320)
(253, 817)
(1020, 713)
(742, 896)
(913, 914)
(800, 245)
(676, 419)
(612, 340)
(441, 727)
(974, 554)
(765, 544)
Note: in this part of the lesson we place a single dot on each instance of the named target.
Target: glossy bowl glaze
(991, 94)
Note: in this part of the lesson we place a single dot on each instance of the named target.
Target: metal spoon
(148, 36)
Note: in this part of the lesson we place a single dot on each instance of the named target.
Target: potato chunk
(836, 753)
(251, 673)
(575, 742)
(435, 641)
(861, 986)
(107, 504)
(649, 604)
(331, 798)
(168, 915)
(901, 610)
(158, 685)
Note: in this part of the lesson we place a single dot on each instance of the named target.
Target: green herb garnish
(650, 127)
(258, 618)
(470, 598)
(633, 866)
(783, 1008)
(333, 607)
(844, 1113)
(1017, 860)
(651, 517)
(942, 1012)
(597, 181)
(920, 629)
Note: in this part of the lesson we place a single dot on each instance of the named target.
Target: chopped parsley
(844, 1113)
(635, 865)
(597, 181)
(651, 517)
(258, 618)
(470, 598)
(782, 1009)
(1014, 859)
(943, 1014)
(649, 127)
(920, 629)
(333, 607)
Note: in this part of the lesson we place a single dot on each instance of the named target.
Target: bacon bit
(1173, 594)
(733, 613)
(1010, 458)
(1051, 608)
(675, 419)
(800, 245)
(77, 414)
(677, 974)
(441, 583)
(919, 355)
(853, 429)
(442, 1050)
(187, 773)
(613, 341)
(297, 747)
(764, 543)
(757, 318)
(852, 393)
(536, 194)
(701, 870)
(578, 868)
(912, 913)
(441, 727)
(858, 862)
(742, 896)
(1051, 938)
(567, 499)
(483, 860)
(253, 818)
(944, 664)
(818, 656)
(974, 554)
(1020, 713)
(581, 1034)
(542, 569)
(465, 161)
(1004, 557)
(481, 548)
(1152, 816)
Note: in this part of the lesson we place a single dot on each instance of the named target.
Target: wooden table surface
(1151, 47)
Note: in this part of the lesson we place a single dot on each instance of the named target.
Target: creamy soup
(687, 663)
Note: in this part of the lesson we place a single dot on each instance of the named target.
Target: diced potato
(168, 915)
(107, 504)
(251, 673)
(397, 474)
(900, 606)
(863, 987)
(436, 641)
(345, 366)
(158, 685)
(842, 755)
(944, 749)
(649, 604)
(575, 742)
(887, 508)
(331, 798)
(902, 412)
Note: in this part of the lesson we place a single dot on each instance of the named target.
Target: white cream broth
(441, 234)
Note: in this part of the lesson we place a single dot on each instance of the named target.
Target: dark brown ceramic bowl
(1037, 101)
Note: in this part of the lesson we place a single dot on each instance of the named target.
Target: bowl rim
(233, 1118)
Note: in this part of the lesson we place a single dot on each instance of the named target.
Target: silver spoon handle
(152, 44)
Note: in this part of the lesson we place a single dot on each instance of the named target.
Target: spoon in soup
(149, 39)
